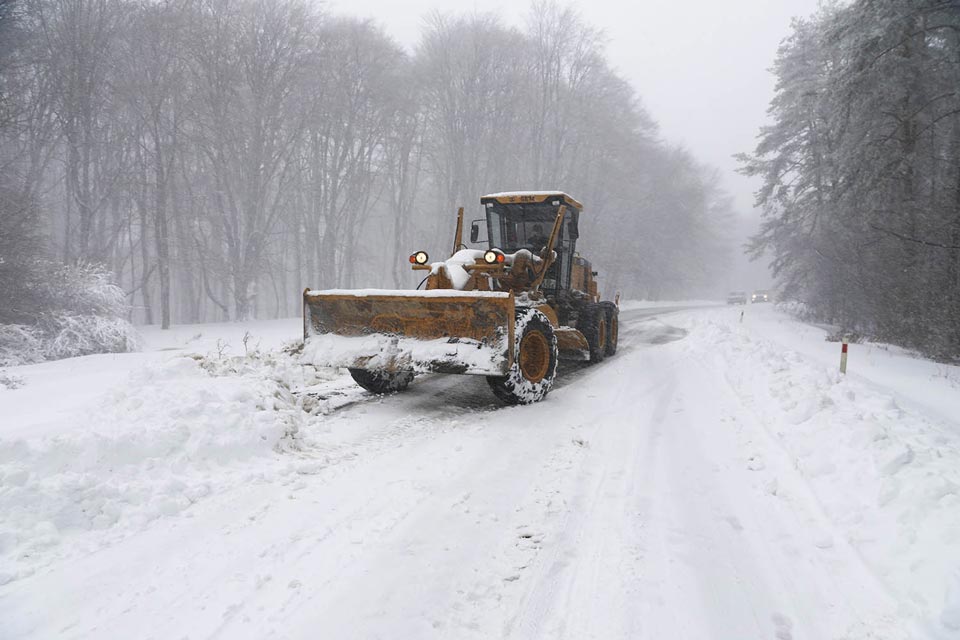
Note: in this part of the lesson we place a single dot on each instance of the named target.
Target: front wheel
(381, 382)
(534, 364)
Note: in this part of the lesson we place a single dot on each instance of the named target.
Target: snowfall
(717, 478)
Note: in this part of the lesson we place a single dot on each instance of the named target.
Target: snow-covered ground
(714, 479)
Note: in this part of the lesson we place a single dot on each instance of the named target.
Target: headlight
(493, 256)
(420, 257)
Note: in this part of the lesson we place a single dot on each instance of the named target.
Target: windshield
(512, 227)
(520, 226)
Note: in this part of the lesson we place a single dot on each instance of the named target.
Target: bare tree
(469, 70)
(250, 62)
(351, 115)
(403, 166)
(218, 155)
(153, 84)
(79, 37)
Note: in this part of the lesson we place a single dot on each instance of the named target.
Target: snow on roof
(535, 196)
(538, 192)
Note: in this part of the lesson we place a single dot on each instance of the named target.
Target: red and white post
(843, 356)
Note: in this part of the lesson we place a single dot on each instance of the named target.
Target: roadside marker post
(741, 317)
(843, 357)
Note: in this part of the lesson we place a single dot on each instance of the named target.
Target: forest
(211, 158)
(861, 171)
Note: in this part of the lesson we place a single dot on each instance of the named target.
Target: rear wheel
(613, 327)
(534, 364)
(381, 382)
(593, 325)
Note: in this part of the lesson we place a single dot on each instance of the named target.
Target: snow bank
(914, 381)
(176, 432)
(886, 475)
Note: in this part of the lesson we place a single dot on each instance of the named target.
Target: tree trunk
(162, 234)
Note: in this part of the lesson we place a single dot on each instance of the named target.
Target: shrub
(76, 309)
(20, 344)
(68, 336)
(84, 289)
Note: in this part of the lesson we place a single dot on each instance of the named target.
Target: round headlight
(420, 257)
(490, 257)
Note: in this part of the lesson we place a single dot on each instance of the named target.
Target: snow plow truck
(508, 312)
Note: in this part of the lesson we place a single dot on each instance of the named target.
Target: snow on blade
(392, 353)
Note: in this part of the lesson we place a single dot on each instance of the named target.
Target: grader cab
(508, 312)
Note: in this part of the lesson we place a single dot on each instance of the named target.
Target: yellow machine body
(463, 319)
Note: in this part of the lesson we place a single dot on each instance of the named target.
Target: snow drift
(175, 433)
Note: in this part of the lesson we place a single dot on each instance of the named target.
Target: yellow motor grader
(508, 312)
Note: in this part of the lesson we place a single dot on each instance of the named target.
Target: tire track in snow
(582, 579)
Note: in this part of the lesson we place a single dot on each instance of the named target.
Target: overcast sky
(700, 66)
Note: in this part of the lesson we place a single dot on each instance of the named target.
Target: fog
(702, 68)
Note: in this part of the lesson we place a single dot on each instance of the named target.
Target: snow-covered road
(705, 482)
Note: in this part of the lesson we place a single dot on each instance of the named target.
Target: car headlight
(494, 256)
(420, 257)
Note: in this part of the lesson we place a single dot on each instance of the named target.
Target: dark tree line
(861, 170)
(220, 155)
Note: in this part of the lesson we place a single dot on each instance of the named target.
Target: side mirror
(474, 231)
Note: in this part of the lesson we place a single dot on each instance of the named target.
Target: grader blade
(436, 331)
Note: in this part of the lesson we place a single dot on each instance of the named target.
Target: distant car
(737, 297)
(761, 295)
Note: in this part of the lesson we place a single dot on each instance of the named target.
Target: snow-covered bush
(67, 336)
(75, 310)
(799, 310)
(49, 309)
(87, 314)
(20, 344)
(85, 289)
